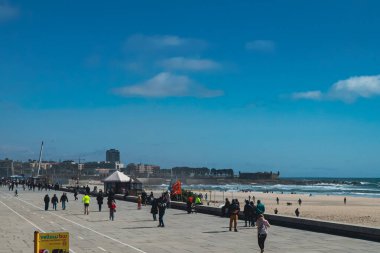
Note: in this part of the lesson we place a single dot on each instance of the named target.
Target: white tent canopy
(118, 176)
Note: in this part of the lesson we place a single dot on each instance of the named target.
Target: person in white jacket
(262, 231)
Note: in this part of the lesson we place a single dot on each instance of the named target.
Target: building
(142, 170)
(259, 175)
(6, 168)
(147, 169)
(113, 156)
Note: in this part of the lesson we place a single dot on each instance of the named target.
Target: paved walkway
(134, 230)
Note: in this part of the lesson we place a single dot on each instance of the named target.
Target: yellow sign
(51, 242)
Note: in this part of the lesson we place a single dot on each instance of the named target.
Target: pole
(12, 168)
(39, 162)
(36, 242)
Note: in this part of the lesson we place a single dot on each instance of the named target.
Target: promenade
(134, 230)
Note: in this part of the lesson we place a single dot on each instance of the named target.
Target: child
(112, 210)
(262, 231)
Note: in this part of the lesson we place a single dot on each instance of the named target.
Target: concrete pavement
(134, 230)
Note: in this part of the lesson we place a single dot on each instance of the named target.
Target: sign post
(51, 242)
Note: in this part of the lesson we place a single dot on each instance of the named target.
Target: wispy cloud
(167, 84)
(266, 46)
(311, 95)
(162, 42)
(8, 12)
(182, 63)
(348, 90)
(356, 87)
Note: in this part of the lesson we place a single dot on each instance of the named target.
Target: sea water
(360, 187)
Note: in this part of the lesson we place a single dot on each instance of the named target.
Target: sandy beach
(358, 210)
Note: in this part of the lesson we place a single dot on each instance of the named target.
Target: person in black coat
(110, 198)
(47, 201)
(76, 194)
(54, 201)
(253, 214)
(248, 211)
(64, 199)
(144, 197)
(154, 209)
(100, 198)
(88, 189)
(225, 208)
(161, 211)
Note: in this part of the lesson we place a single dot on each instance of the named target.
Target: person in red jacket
(112, 207)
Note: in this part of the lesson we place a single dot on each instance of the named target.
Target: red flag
(176, 188)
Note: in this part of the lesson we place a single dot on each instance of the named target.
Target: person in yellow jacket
(198, 201)
(86, 201)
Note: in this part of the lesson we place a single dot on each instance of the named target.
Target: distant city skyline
(291, 85)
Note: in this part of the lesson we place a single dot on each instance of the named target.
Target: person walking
(167, 199)
(198, 200)
(297, 212)
(233, 213)
(54, 201)
(161, 211)
(299, 202)
(47, 201)
(262, 231)
(76, 194)
(112, 210)
(16, 193)
(63, 200)
(277, 200)
(225, 208)
(99, 199)
(139, 200)
(154, 209)
(110, 198)
(253, 215)
(247, 213)
(144, 197)
(86, 201)
(189, 205)
(260, 208)
(87, 190)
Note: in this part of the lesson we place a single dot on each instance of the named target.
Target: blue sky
(251, 85)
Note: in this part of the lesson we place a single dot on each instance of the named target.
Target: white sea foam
(360, 188)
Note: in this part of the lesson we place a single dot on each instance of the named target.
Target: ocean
(359, 187)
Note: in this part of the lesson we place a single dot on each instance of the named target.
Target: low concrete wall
(348, 230)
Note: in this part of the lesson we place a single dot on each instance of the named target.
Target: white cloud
(161, 42)
(7, 12)
(311, 95)
(167, 84)
(348, 90)
(182, 63)
(356, 87)
(261, 45)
